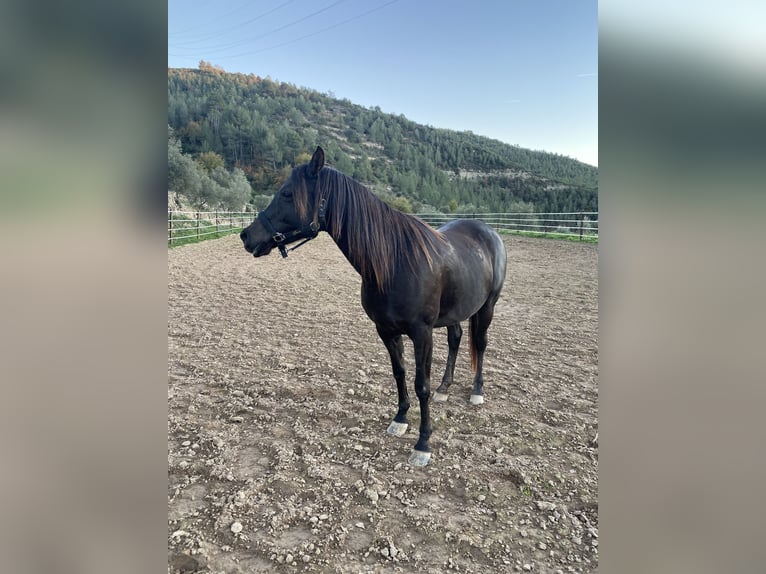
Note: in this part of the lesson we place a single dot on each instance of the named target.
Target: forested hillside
(264, 127)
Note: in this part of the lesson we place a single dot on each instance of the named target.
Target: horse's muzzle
(243, 237)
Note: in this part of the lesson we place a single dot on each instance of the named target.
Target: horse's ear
(317, 161)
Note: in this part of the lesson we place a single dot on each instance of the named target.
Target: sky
(521, 71)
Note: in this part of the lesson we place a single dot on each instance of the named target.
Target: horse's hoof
(477, 399)
(397, 429)
(440, 397)
(419, 458)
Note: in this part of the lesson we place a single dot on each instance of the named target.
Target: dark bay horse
(414, 278)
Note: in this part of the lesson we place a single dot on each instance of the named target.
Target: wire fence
(581, 225)
(192, 226)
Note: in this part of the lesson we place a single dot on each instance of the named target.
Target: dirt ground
(280, 393)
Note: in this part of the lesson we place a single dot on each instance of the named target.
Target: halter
(307, 232)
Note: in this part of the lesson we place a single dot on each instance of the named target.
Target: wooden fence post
(581, 218)
(198, 226)
(216, 222)
(170, 228)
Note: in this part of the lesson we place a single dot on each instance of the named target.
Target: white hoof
(477, 399)
(418, 458)
(440, 397)
(397, 429)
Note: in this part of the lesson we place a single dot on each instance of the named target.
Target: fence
(189, 226)
(574, 224)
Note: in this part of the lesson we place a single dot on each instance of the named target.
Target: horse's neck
(341, 238)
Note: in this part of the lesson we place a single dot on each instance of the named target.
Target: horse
(414, 278)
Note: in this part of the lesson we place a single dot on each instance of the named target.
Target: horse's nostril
(243, 235)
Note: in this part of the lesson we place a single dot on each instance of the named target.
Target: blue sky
(521, 71)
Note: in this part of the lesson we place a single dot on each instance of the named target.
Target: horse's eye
(287, 193)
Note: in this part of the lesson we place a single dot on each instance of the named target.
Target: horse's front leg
(423, 343)
(395, 348)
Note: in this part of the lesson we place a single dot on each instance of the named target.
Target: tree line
(239, 128)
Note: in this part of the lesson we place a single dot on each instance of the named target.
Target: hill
(264, 127)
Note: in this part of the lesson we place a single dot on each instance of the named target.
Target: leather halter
(307, 232)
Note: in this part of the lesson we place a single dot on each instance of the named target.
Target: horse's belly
(461, 301)
(464, 291)
(455, 314)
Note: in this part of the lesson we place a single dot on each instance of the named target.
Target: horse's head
(291, 215)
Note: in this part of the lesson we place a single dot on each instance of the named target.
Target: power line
(240, 25)
(223, 48)
(315, 33)
(208, 22)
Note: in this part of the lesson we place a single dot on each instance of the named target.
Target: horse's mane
(378, 236)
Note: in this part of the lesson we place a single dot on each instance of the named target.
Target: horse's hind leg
(479, 325)
(454, 334)
(395, 348)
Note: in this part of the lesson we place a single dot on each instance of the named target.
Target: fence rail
(579, 224)
(190, 226)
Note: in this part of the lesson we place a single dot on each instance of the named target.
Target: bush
(402, 204)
